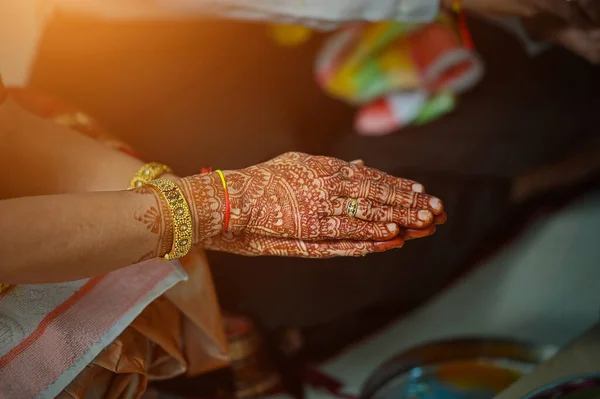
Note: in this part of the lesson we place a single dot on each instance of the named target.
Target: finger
(336, 248)
(364, 172)
(358, 162)
(412, 234)
(440, 219)
(256, 245)
(372, 211)
(385, 193)
(343, 227)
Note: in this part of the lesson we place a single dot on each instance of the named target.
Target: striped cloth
(50, 332)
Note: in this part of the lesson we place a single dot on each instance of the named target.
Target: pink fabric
(65, 339)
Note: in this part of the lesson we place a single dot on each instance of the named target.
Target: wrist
(167, 235)
(206, 198)
(152, 211)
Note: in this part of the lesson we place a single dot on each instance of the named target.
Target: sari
(107, 336)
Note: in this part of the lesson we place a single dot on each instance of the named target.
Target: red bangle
(227, 203)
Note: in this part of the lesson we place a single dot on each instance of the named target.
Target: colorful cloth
(398, 73)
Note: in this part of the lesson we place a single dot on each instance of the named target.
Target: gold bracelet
(182, 217)
(147, 173)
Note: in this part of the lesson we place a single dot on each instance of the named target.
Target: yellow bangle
(181, 215)
(147, 173)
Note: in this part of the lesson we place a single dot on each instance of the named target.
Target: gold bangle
(147, 173)
(182, 217)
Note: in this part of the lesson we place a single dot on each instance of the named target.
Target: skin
(305, 197)
(85, 234)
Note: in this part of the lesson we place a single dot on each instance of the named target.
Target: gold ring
(352, 208)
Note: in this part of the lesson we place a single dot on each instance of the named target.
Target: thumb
(358, 162)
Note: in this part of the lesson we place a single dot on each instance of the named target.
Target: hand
(297, 196)
(249, 244)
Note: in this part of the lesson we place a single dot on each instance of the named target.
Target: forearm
(47, 158)
(68, 237)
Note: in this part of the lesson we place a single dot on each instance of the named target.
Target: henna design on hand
(158, 220)
(299, 196)
(205, 195)
(248, 244)
(374, 211)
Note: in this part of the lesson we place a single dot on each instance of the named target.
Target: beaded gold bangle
(182, 217)
(147, 173)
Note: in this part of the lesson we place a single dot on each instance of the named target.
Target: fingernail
(392, 227)
(424, 216)
(358, 162)
(418, 188)
(436, 204)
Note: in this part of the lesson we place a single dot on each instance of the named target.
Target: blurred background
(516, 163)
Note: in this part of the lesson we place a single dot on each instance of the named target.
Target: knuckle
(350, 187)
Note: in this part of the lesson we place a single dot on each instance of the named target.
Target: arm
(67, 237)
(93, 228)
(52, 159)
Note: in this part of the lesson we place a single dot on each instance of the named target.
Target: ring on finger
(351, 208)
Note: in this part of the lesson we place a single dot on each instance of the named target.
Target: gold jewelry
(182, 217)
(351, 208)
(147, 173)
